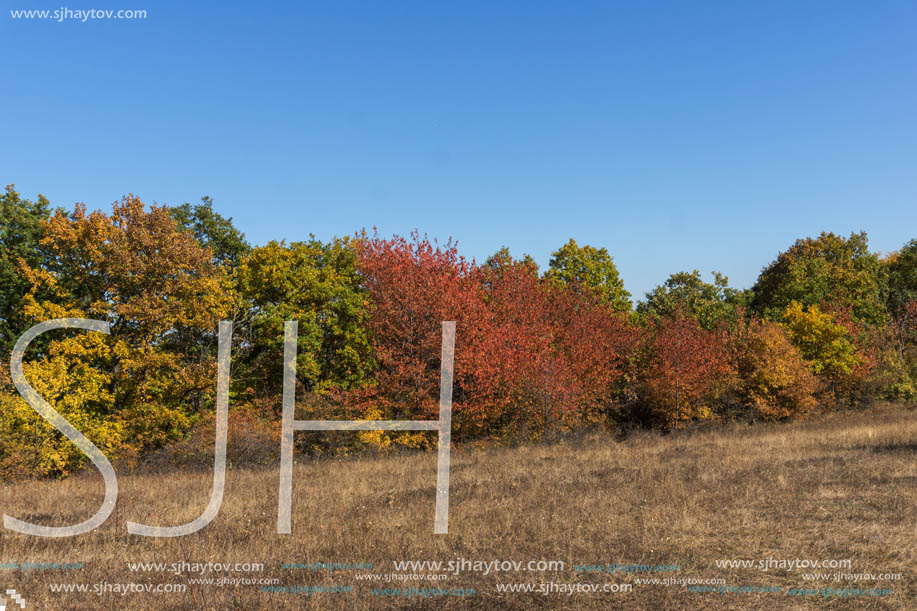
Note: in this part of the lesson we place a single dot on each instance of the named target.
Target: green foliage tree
(907, 333)
(319, 286)
(902, 277)
(502, 258)
(212, 231)
(709, 304)
(592, 269)
(20, 232)
(896, 377)
(827, 269)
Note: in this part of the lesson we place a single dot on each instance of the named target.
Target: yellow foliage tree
(825, 344)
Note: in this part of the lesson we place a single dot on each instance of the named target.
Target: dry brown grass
(838, 487)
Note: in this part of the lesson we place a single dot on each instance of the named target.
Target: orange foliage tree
(774, 379)
(144, 384)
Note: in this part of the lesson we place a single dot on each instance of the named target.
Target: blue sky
(678, 135)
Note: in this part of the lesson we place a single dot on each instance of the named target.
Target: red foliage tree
(518, 345)
(414, 286)
(595, 346)
(559, 352)
(529, 353)
(684, 364)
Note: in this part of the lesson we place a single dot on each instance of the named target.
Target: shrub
(685, 369)
(774, 379)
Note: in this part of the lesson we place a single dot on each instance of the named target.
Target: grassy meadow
(840, 486)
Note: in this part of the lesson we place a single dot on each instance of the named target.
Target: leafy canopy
(212, 231)
(590, 269)
(902, 278)
(141, 386)
(774, 378)
(824, 343)
(827, 269)
(20, 232)
(317, 285)
(687, 292)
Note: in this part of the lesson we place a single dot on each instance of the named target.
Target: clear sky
(678, 135)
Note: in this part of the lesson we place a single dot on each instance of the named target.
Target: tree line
(539, 353)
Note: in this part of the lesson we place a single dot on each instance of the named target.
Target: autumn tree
(869, 345)
(683, 368)
(139, 387)
(502, 259)
(72, 377)
(595, 347)
(590, 269)
(906, 331)
(413, 286)
(774, 379)
(525, 383)
(823, 343)
(826, 269)
(834, 346)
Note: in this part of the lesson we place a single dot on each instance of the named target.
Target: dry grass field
(838, 487)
